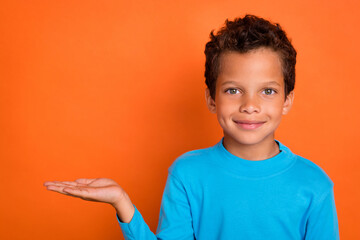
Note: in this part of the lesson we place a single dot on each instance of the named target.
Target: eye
(232, 91)
(269, 91)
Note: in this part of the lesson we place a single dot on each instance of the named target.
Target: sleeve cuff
(128, 228)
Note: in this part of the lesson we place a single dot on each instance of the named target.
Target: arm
(97, 190)
(175, 221)
(322, 222)
(175, 218)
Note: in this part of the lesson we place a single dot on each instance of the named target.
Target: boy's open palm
(99, 189)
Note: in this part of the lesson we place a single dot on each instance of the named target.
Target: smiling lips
(249, 125)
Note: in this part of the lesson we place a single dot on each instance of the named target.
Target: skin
(249, 102)
(97, 190)
(250, 87)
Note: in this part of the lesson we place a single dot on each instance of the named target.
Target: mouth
(249, 125)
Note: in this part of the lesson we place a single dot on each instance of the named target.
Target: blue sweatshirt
(212, 194)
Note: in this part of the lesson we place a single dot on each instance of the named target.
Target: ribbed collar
(256, 169)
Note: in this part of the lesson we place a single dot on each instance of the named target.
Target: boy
(248, 186)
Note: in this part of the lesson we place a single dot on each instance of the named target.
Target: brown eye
(269, 91)
(232, 91)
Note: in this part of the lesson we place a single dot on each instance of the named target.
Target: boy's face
(250, 98)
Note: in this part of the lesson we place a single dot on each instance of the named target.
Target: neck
(253, 152)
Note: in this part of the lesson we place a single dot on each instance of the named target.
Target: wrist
(124, 209)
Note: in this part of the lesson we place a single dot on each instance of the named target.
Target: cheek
(274, 108)
(224, 112)
(226, 106)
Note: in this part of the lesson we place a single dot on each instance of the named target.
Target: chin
(248, 142)
(248, 139)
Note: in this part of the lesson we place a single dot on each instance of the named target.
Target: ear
(288, 103)
(210, 102)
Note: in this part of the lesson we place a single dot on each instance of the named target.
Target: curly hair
(243, 35)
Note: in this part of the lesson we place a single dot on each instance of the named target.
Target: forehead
(262, 64)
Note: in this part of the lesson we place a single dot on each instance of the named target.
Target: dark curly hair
(243, 35)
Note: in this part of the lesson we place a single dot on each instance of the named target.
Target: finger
(75, 184)
(57, 183)
(47, 183)
(85, 180)
(70, 190)
(52, 183)
(78, 192)
(59, 189)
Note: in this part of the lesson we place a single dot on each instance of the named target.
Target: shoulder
(307, 175)
(192, 162)
(316, 187)
(310, 174)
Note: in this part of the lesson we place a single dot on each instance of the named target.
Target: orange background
(116, 89)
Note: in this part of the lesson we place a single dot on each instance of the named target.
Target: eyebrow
(270, 83)
(228, 82)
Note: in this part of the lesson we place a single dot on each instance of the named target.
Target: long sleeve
(322, 222)
(137, 228)
(211, 194)
(175, 221)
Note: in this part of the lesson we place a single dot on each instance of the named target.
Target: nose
(249, 104)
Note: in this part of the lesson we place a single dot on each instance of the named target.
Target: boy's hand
(98, 190)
